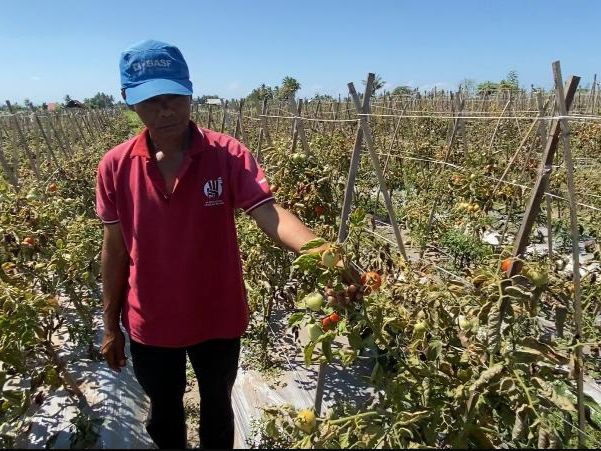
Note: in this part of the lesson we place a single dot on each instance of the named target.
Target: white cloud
(35, 78)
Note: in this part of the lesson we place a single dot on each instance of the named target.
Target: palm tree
(378, 84)
(288, 88)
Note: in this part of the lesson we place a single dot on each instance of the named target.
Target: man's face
(165, 115)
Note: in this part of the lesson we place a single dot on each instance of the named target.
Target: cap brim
(153, 88)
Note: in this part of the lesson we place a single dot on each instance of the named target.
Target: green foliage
(377, 84)
(203, 99)
(402, 90)
(509, 83)
(466, 249)
(100, 100)
(260, 93)
(288, 88)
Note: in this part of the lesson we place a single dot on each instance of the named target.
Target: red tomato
(334, 318)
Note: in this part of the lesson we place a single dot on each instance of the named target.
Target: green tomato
(314, 331)
(314, 301)
(298, 157)
(419, 329)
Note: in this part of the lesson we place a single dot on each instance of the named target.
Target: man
(171, 267)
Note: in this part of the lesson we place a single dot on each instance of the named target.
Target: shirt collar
(141, 149)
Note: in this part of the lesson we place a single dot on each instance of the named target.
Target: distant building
(214, 102)
(74, 104)
(52, 106)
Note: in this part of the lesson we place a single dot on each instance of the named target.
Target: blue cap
(151, 68)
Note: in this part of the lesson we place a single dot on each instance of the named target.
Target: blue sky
(54, 48)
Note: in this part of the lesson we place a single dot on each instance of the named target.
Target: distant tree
(100, 100)
(512, 79)
(205, 97)
(28, 104)
(402, 91)
(323, 97)
(468, 85)
(260, 93)
(288, 88)
(378, 84)
(44, 106)
(67, 99)
(487, 88)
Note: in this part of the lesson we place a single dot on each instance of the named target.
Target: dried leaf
(543, 438)
(495, 322)
(526, 356)
(484, 312)
(520, 426)
(551, 354)
(487, 376)
(561, 313)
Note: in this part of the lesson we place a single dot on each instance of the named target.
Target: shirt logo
(213, 190)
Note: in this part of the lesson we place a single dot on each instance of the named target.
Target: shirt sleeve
(106, 208)
(250, 187)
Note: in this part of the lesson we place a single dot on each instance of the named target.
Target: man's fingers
(114, 354)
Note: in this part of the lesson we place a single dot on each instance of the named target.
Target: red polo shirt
(185, 275)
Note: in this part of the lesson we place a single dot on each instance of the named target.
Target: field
(475, 328)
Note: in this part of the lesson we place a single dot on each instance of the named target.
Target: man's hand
(113, 349)
(350, 274)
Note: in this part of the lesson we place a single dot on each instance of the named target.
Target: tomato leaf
(295, 319)
(315, 243)
(326, 348)
(306, 262)
(355, 340)
(546, 350)
(434, 350)
(309, 353)
(487, 376)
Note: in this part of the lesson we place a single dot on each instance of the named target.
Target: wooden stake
(343, 229)
(369, 141)
(57, 136)
(46, 140)
(459, 106)
(8, 169)
(593, 93)
(523, 237)
(23, 141)
(222, 128)
(299, 126)
(549, 227)
(578, 338)
(494, 135)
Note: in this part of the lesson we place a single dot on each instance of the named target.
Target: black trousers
(162, 374)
